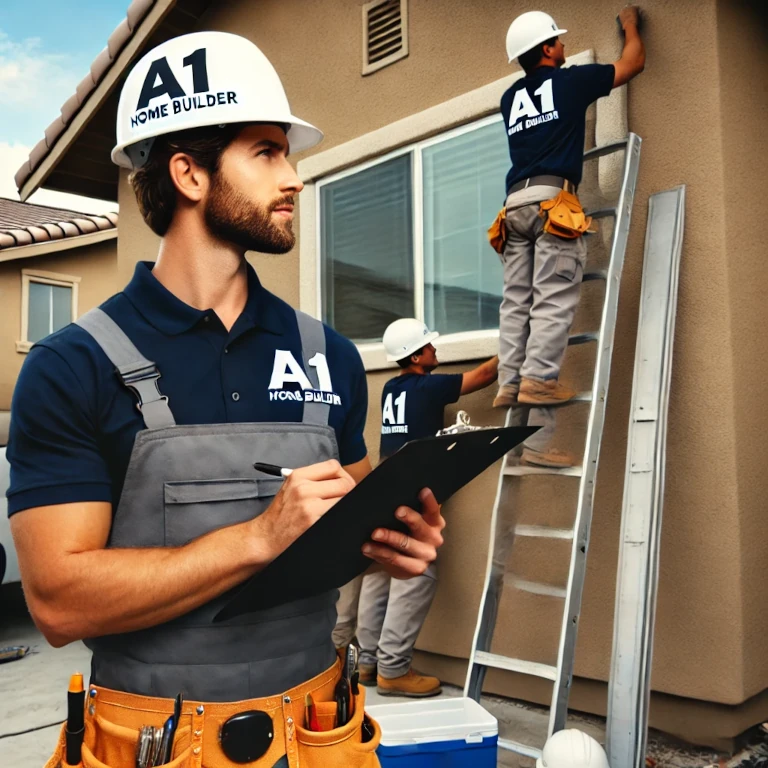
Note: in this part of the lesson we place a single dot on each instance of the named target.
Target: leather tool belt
(113, 720)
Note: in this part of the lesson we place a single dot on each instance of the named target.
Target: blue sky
(46, 48)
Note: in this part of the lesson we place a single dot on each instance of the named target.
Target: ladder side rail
(629, 684)
(569, 629)
(489, 602)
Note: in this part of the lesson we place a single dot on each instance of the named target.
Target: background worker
(391, 612)
(133, 522)
(544, 115)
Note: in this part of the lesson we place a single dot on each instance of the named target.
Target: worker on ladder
(391, 612)
(539, 232)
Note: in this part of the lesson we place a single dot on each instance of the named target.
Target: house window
(405, 235)
(48, 303)
(385, 33)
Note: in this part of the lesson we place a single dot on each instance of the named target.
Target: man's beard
(231, 216)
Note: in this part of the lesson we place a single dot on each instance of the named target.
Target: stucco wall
(94, 264)
(690, 108)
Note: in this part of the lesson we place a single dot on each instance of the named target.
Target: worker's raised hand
(406, 555)
(302, 500)
(630, 14)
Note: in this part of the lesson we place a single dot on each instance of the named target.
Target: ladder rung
(601, 213)
(520, 470)
(533, 668)
(544, 532)
(583, 338)
(521, 749)
(535, 587)
(595, 274)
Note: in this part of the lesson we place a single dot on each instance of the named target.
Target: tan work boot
(507, 396)
(367, 674)
(550, 392)
(551, 458)
(410, 684)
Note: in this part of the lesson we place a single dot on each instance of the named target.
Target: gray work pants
(390, 616)
(542, 281)
(346, 612)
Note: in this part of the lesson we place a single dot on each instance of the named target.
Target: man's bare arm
(482, 376)
(76, 588)
(632, 61)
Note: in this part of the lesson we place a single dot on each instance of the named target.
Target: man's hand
(403, 555)
(302, 500)
(630, 14)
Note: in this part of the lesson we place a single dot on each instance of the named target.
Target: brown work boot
(549, 392)
(507, 396)
(410, 684)
(551, 458)
(367, 674)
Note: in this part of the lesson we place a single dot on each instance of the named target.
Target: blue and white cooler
(436, 733)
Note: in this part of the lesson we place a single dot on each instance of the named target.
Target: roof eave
(96, 99)
(52, 246)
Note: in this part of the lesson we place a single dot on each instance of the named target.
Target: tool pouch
(108, 745)
(352, 745)
(564, 217)
(497, 232)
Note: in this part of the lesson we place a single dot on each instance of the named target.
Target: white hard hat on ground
(528, 30)
(572, 749)
(201, 79)
(404, 337)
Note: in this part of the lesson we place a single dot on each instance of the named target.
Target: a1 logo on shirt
(523, 107)
(287, 371)
(392, 423)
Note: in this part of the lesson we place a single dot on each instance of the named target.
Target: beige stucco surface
(95, 265)
(701, 111)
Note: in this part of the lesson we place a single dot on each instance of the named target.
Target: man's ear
(188, 177)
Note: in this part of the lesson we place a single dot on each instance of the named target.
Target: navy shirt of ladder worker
(544, 116)
(251, 373)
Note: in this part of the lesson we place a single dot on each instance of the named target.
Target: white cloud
(12, 157)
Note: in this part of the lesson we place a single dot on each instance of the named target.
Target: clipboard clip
(462, 425)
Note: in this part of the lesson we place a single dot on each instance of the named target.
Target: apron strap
(312, 333)
(136, 372)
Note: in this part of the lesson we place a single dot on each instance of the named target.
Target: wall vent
(385, 33)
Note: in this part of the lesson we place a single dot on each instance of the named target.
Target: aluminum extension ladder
(637, 581)
(481, 657)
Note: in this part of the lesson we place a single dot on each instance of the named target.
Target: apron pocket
(109, 745)
(345, 746)
(196, 507)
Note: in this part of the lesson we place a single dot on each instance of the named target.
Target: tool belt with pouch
(497, 232)
(275, 730)
(564, 217)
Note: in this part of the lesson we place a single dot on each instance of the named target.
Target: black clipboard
(328, 554)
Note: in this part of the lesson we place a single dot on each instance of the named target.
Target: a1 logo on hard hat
(160, 82)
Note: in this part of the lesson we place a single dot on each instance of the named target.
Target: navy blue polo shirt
(73, 423)
(412, 406)
(544, 115)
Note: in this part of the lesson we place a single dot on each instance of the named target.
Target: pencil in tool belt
(312, 722)
(75, 719)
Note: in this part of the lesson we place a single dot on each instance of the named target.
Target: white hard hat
(205, 78)
(528, 30)
(404, 337)
(572, 749)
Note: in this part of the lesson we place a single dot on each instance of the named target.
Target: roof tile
(100, 65)
(53, 131)
(26, 223)
(137, 10)
(69, 108)
(119, 38)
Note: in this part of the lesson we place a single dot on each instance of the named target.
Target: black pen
(272, 469)
(75, 714)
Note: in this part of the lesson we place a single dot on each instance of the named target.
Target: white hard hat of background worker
(572, 749)
(197, 80)
(406, 336)
(529, 30)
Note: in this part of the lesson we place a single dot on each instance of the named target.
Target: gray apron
(183, 482)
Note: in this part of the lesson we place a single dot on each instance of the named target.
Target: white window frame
(45, 278)
(386, 142)
(415, 150)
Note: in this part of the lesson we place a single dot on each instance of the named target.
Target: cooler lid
(416, 722)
